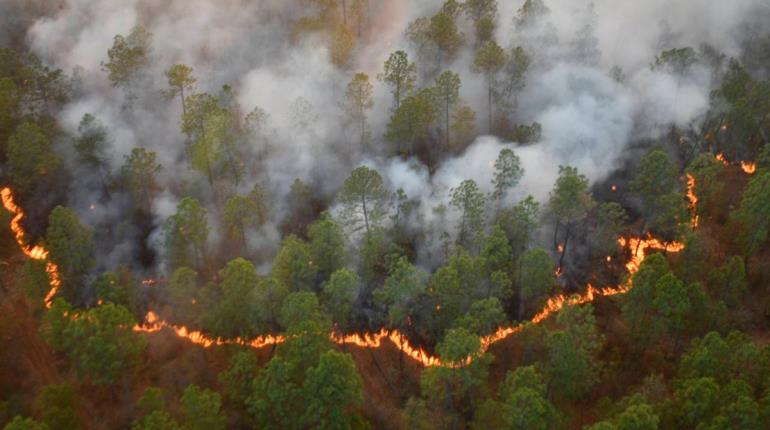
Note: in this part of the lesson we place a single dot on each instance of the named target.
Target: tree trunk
(489, 101)
(564, 249)
(366, 214)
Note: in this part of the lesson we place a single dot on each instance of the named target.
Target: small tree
(358, 100)
(508, 173)
(180, 79)
(400, 75)
(489, 61)
(470, 202)
(364, 198)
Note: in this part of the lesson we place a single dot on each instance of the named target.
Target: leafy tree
(183, 294)
(327, 246)
(20, 423)
(91, 145)
(333, 388)
(443, 32)
(231, 315)
(238, 378)
(71, 246)
(180, 79)
(610, 222)
(519, 223)
(569, 203)
(483, 317)
(31, 159)
(404, 283)
(301, 313)
(753, 215)
(208, 125)
(154, 417)
(140, 172)
(572, 365)
(477, 9)
(447, 93)
(467, 199)
(526, 409)
(529, 13)
(128, 56)
(201, 408)
(59, 407)
(636, 417)
(411, 121)
(358, 100)
(489, 61)
(115, 288)
(268, 298)
(508, 173)
(99, 341)
(364, 198)
(186, 234)
(672, 306)
(242, 213)
(463, 124)
(293, 266)
(156, 420)
(705, 169)
(654, 181)
(340, 293)
(400, 75)
(729, 282)
(536, 278)
(342, 44)
(515, 74)
(456, 386)
(636, 305)
(676, 60)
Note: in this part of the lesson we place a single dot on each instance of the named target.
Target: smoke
(588, 118)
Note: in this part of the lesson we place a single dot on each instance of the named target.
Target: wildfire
(748, 167)
(36, 252)
(152, 323)
(693, 199)
(721, 157)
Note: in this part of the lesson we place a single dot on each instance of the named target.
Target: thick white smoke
(588, 118)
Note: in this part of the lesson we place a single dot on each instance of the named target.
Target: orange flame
(153, 323)
(748, 167)
(693, 199)
(36, 252)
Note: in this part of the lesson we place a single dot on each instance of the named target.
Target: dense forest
(401, 214)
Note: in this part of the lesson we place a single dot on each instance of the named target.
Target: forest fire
(748, 167)
(693, 199)
(153, 323)
(36, 252)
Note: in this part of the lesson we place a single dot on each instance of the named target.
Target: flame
(693, 199)
(36, 252)
(149, 281)
(153, 323)
(614, 188)
(560, 247)
(748, 167)
(721, 157)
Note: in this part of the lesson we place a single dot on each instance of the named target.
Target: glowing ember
(721, 157)
(153, 323)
